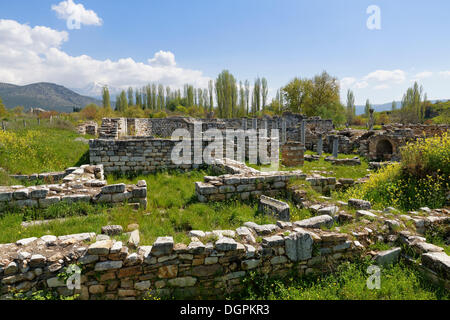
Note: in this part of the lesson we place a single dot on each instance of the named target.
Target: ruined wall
(83, 184)
(147, 155)
(210, 268)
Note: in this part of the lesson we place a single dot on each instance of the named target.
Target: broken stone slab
(78, 237)
(39, 193)
(299, 246)
(225, 244)
(438, 262)
(273, 241)
(197, 233)
(25, 242)
(387, 257)
(316, 222)
(331, 211)
(365, 214)
(262, 230)
(100, 248)
(112, 230)
(246, 234)
(274, 207)
(162, 246)
(359, 204)
(134, 239)
(423, 247)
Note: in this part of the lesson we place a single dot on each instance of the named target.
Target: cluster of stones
(85, 184)
(212, 265)
(346, 161)
(245, 184)
(49, 177)
(292, 154)
(90, 127)
(322, 184)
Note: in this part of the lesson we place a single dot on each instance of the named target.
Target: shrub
(422, 178)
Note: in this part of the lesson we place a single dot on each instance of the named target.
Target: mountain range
(48, 96)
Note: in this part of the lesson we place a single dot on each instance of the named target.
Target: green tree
(351, 109)
(130, 96)
(264, 92)
(106, 98)
(394, 106)
(367, 108)
(226, 94)
(413, 105)
(3, 111)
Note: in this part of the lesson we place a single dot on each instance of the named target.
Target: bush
(422, 178)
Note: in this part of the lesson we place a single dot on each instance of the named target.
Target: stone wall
(83, 184)
(292, 154)
(212, 265)
(147, 155)
(244, 183)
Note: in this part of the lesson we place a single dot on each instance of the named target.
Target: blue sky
(198, 39)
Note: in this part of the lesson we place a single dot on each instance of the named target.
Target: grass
(40, 148)
(326, 168)
(172, 210)
(348, 282)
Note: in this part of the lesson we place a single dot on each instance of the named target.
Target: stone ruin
(83, 184)
(90, 128)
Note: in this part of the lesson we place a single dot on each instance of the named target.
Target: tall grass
(40, 148)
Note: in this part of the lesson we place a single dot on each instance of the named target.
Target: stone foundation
(292, 154)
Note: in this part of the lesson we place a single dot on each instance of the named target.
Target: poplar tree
(106, 98)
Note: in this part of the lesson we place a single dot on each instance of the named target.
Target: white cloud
(361, 84)
(397, 76)
(30, 55)
(76, 14)
(347, 82)
(445, 73)
(423, 75)
(381, 87)
(163, 59)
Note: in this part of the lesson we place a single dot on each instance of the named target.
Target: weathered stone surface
(197, 233)
(250, 264)
(25, 242)
(299, 246)
(183, 282)
(37, 260)
(331, 211)
(387, 257)
(108, 265)
(87, 259)
(170, 271)
(271, 206)
(134, 239)
(246, 234)
(55, 282)
(359, 204)
(100, 248)
(365, 214)
(274, 241)
(226, 244)
(438, 262)
(207, 270)
(11, 268)
(316, 222)
(114, 188)
(39, 193)
(112, 230)
(423, 247)
(162, 246)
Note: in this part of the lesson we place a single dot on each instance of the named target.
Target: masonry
(79, 184)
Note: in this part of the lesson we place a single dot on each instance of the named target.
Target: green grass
(40, 148)
(328, 169)
(348, 282)
(172, 211)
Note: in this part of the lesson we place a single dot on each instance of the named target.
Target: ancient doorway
(384, 150)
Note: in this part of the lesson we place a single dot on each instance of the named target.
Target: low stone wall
(322, 184)
(85, 183)
(244, 183)
(204, 268)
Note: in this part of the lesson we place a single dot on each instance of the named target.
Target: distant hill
(48, 96)
(386, 106)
